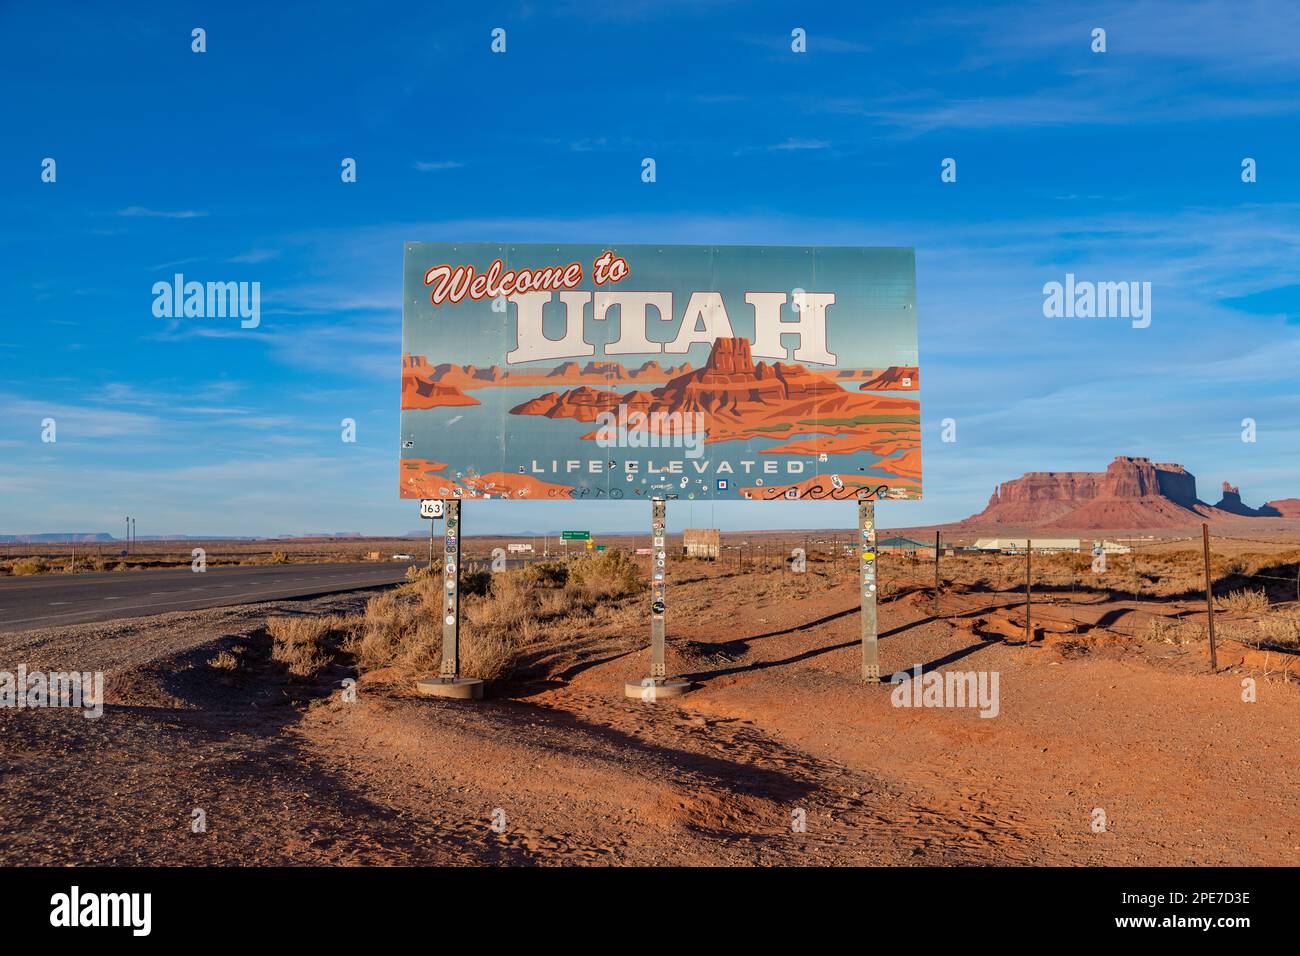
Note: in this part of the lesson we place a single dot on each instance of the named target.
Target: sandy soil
(779, 729)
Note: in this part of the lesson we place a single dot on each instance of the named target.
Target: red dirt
(779, 726)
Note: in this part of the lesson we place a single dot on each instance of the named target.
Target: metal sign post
(451, 594)
(659, 555)
(867, 582)
(449, 683)
(657, 685)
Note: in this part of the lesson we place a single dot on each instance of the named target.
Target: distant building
(1113, 547)
(1048, 545)
(701, 542)
(904, 545)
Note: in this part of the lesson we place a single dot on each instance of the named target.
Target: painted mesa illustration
(795, 400)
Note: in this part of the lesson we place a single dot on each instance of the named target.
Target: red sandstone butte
(420, 390)
(740, 399)
(1131, 493)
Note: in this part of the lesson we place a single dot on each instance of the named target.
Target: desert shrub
(547, 573)
(475, 580)
(28, 566)
(279, 557)
(1244, 601)
(306, 645)
(608, 574)
(224, 661)
(403, 629)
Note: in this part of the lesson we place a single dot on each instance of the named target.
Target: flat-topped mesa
(1131, 477)
(1131, 489)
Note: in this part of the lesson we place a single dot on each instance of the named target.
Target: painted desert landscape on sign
(829, 420)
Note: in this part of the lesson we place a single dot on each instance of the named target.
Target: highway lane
(51, 600)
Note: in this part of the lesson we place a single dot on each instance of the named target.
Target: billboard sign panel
(588, 372)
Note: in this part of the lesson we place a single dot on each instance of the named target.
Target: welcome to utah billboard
(590, 372)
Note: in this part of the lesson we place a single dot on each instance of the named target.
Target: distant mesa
(421, 391)
(1131, 493)
(739, 399)
(896, 377)
(453, 379)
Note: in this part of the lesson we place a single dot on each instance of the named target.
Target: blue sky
(224, 166)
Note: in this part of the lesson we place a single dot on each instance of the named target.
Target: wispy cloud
(793, 144)
(144, 213)
(255, 256)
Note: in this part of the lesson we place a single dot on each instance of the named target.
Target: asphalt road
(51, 600)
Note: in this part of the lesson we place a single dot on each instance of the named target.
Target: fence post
(1209, 596)
(936, 573)
(1029, 576)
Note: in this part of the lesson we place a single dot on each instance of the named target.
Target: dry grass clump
(1245, 601)
(28, 566)
(502, 614)
(1281, 629)
(1163, 630)
(421, 572)
(307, 645)
(403, 629)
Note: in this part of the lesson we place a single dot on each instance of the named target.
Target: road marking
(57, 603)
(112, 599)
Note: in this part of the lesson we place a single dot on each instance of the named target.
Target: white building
(1020, 544)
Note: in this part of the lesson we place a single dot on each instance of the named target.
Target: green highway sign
(575, 535)
(600, 547)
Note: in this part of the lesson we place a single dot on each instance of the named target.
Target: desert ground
(780, 755)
